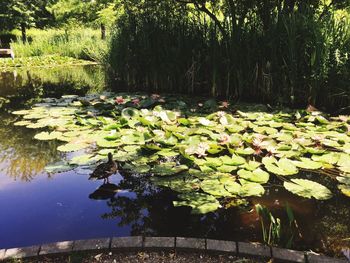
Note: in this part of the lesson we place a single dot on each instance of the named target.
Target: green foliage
(271, 226)
(281, 52)
(42, 61)
(80, 43)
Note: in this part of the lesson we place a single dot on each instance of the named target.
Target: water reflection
(22, 157)
(22, 87)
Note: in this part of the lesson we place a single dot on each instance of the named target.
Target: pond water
(37, 207)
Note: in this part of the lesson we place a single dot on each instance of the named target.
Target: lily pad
(258, 175)
(59, 167)
(308, 189)
(46, 136)
(170, 168)
(200, 203)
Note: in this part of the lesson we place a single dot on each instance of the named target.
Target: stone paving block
(91, 244)
(314, 258)
(58, 247)
(22, 252)
(127, 242)
(159, 242)
(190, 243)
(2, 254)
(253, 249)
(287, 255)
(220, 245)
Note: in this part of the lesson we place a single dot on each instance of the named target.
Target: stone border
(169, 243)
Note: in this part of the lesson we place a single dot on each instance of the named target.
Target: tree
(23, 14)
(86, 12)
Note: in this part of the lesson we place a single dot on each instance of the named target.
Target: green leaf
(200, 203)
(345, 189)
(59, 167)
(214, 187)
(251, 189)
(258, 175)
(46, 136)
(308, 189)
(307, 163)
(71, 147)
(169, 168)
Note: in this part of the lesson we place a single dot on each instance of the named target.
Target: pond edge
(241, 249)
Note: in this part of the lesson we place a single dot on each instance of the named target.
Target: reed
(281, 57)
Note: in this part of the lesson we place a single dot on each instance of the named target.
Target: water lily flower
(136, 102)
(200, 149)
(224, 138)
(224, 104)
(119, 100)
(221, 114)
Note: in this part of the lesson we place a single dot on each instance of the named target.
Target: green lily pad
(200, 203)
(251, 189)
(170, 168)
(59, 167)
(214, 187)
(345, 189)
(281, 167)
(71, 147)
(330, 158)
(258, 175)
(308, 189)
(46, 136)
(307, 163)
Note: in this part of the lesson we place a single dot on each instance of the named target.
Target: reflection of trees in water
(149, 211)
(23, 86)
(21, 157)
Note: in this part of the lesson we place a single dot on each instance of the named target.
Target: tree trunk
(24, 32)
(103, 31)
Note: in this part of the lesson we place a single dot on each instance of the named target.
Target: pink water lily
(136, 102)
(119, 100)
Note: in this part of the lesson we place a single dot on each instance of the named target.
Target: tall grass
(280, 57)
(82, 43)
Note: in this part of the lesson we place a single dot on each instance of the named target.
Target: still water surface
(37, 207)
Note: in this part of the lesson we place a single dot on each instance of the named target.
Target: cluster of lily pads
(209, 153)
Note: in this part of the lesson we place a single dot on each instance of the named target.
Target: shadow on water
(69, 206)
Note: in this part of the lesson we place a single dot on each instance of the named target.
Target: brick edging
(168, 243)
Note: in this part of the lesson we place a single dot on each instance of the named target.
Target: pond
(45, 200)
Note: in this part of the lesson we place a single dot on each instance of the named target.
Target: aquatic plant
(205, 154)
(274, 231)
(271, 226)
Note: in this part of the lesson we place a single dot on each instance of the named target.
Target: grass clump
(80, 43)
